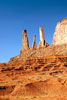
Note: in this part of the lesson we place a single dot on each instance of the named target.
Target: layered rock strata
(34, 78)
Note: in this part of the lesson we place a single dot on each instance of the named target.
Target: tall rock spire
(42, 41)
(41, 35)
(34, 42)
(25, 43)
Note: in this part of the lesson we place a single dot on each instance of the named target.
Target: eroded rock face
(60, 35)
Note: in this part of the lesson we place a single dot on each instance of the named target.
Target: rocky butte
(38, 72)
(60, 35)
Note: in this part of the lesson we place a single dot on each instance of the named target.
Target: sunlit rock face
(60, 35)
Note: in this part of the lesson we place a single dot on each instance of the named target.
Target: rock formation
(42, 36)
(60, 35)
(34, 42)
(25, 43)
(42, 41)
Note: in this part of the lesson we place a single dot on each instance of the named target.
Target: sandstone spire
(25, 44)
(34, 42)
(41, 35)
(42, 41)
(60, 35)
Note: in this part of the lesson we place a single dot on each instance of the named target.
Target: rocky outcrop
(25, 43)
(60, 35)
(34, 42)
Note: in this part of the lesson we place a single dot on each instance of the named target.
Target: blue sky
(17, 15)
